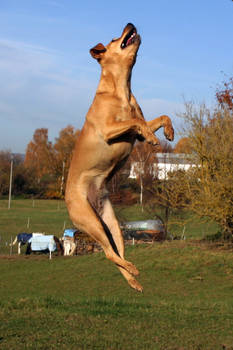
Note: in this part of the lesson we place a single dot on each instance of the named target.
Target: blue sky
(48, 78)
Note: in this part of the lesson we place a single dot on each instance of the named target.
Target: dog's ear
(98, 51)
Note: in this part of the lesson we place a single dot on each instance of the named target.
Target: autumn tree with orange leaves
(183, 146)
(38, 155)
(224, 94)
(48, 164)
(62, 155)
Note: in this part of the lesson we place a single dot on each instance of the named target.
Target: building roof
(174, 158)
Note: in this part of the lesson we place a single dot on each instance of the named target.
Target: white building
(167, 162)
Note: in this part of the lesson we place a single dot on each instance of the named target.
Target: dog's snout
(130, 26)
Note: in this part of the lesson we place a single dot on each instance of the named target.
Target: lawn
(51, 217)
(82, 302)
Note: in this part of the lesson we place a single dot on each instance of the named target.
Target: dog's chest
(121, 149)
(125, 112)
(119, 152)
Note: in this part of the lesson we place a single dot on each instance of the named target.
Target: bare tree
(143, 159)
(209, 184)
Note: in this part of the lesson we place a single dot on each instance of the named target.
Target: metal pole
(28, 224)
(62, 177)
(11, 246)
(10, 186)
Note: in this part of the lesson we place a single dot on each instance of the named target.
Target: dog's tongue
(128, 41)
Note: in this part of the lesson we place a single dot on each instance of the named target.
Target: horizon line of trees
(42, 171)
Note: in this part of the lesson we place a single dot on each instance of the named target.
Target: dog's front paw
(144, 132)
(169, 132)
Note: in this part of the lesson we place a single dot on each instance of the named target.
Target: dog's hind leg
(86, 219)
(113, 225)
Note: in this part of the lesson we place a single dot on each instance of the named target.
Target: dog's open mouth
(129, 38)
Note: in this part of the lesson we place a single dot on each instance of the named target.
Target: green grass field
(50, 216)
(82, 302)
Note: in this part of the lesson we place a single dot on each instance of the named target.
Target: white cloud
(34, 79)
(37, 90)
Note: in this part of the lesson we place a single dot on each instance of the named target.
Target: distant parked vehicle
(144, 230)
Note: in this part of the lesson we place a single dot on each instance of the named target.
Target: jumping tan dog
(113, 123)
